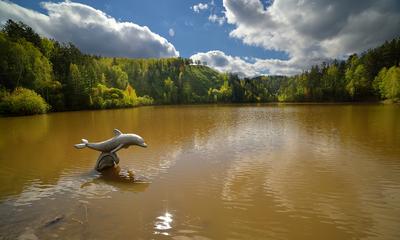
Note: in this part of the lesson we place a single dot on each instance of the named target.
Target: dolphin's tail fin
(81, 145)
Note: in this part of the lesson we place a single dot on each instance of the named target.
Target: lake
(301, 171)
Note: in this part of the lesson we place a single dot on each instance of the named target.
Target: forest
(38, 75)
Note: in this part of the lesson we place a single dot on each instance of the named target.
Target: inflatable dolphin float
(112, 145)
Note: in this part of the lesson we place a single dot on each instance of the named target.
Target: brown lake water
(210, 172)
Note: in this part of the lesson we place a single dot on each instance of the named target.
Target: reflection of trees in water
(22, 130)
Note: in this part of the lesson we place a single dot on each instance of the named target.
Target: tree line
(38, 74)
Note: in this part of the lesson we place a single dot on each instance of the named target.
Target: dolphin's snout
(143, 145)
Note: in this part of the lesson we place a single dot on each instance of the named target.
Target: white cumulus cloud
(214, 18)
(248, 66)
(225, 63)
(90, 29)
(311, 31)
(244, 67)
(198, 7)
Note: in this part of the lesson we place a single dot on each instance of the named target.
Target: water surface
(210, 172)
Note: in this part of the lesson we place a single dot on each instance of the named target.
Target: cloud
(310, 31)
(247, 66)
(171, 32)
(91, 30)
(214, 18)
(198, 7)
(226, 63)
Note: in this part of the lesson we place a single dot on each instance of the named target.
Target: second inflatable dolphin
(112, 145)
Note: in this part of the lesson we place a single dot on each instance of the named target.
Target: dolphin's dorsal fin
(117, 132)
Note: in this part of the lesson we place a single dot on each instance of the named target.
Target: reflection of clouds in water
(255, 141)
(245, 135)
(166, 161)
(244, 145)
(239, 190)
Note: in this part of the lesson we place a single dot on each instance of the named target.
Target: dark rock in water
(54, 221)
(106, 160)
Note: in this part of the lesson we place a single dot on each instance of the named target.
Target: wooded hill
(39, 74)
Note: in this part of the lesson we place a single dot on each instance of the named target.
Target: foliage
(356, 79)
(23, 101)
(223, 94)
(69, 80)
(104, 97)
(388, 83)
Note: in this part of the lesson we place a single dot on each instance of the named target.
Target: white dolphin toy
(112, 145)
(108, 148)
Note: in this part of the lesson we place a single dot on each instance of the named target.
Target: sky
(247, 37)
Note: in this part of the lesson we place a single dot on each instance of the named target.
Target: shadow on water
(122, 179)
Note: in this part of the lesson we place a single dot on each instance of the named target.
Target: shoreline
(221, 104)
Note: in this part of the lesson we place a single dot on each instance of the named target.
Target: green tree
(378, 81)
(238, 92)
(117, 77)
(357, 83)
(47, 47)
(23, 101)
(78, 96)
(170, 91)
(329, 81)
(388, 83)
(19, 30)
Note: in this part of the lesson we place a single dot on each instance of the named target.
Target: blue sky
(193, 31)
(247, 37)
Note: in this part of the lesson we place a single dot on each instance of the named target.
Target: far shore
(385, 102)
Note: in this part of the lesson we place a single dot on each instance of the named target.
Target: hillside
(39, 74)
